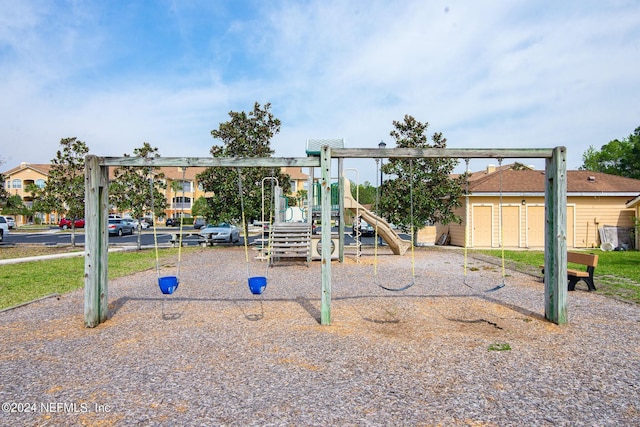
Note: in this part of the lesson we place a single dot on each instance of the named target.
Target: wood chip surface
(438, 354)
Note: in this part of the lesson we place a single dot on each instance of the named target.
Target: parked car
(173, 222)
(199, 223)
(11, 222)
(222, 232)
(114, 216)
(120, 227)
(66, 223)
(365, 228)
(140, 223)
(4, 228)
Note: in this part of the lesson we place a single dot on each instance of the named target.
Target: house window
(292, 183)
(182, 202)
(17, 183)
(184, 186)
(40, 183)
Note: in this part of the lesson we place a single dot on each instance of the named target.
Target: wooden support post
(341, 210)
(96, 243)
(555, 254)
(325, 188)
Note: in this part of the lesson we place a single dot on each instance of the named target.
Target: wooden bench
(574, 276)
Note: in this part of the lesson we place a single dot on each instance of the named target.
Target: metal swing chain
(153, 221)
(375, 238)
(184, 171)
(272, 208)
(466, 229)
(375, 262)
(244, 225)
(501, 223)
(466, 221)
(413, 258)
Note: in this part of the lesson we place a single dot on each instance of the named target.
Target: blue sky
(115, 74)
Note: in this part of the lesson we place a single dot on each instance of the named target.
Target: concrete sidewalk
(60, 255)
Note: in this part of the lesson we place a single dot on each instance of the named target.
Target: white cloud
(489, 74)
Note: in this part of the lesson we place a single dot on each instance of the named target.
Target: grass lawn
(617, 273)
(27, 281)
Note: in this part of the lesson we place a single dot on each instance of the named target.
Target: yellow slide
(398, 245)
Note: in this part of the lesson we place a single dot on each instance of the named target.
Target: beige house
(594, 200)
(17, 182)
(181, 191)
(635, 204)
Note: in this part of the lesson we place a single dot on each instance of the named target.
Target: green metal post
(555, 254)
(325, 188)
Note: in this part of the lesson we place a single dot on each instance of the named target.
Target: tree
(64, 191)
(245, 135)
(616, 157)
(135, 189)
(36, 205)
(201, 208)
(13, 205)
(366, 193)
(4, 194)
(435, 193)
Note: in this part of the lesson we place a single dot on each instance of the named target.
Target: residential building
(18, 181)
(510, 201)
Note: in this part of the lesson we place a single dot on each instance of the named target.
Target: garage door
(511, 226)
(535, 226)
(482, 229)
(570, 227)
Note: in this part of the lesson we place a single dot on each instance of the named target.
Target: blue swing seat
(257, 284)
(168, 284)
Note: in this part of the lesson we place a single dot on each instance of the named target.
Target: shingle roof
(42, 168)
(528, 181)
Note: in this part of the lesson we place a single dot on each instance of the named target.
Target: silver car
(11, 222)
(222, 232)
(4, 228)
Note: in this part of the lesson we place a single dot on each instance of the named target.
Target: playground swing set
(96, 197)
(167, 284)
(466, 231)
(375, 250)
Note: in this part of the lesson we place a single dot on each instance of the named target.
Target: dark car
(66, 223)
(173, 222)
(120, 227)
(365, 228)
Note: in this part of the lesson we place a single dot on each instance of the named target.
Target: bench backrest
(582, 258)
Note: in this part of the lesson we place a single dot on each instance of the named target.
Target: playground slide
(398, 245)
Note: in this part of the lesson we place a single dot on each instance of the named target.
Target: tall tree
(136, 189)
(365, 193)
(435, 193)
(616, 157)
(244, 135)
(64, 191)
(201, 208)
(4, 194)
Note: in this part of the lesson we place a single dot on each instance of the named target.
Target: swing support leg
(96, 242)
(325, 165)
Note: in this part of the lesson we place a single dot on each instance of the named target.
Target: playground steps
(290, 240)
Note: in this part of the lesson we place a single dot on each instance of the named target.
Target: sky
(490, 74)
